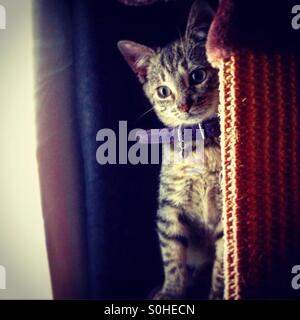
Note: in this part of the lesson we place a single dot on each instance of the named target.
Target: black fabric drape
(99, 220)
(59, 156)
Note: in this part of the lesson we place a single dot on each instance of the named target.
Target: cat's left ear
(137, 56)
(200, 18)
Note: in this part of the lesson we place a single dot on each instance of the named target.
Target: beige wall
(22, 243)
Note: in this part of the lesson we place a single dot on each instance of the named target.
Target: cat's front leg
(217, 286)
(174, 241)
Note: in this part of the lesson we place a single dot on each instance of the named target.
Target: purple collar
(209, 128)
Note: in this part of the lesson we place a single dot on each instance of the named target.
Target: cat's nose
(184, 107)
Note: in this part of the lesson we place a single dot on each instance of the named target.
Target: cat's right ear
(199, 20)
(137, 56)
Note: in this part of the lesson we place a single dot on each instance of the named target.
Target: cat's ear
(137, 56)
(200, 17)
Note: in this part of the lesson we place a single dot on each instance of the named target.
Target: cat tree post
(259, 111)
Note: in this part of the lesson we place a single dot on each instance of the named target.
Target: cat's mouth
(198, 113)
(201, 105)
(204, 106)
(196, 116)
(197, 110)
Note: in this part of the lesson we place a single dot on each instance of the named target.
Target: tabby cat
(183, 89)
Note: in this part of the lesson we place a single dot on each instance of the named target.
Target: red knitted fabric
(260, 150)
(259, 111)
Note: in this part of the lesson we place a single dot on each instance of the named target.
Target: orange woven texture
(259, 96)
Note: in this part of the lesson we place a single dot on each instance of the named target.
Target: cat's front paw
(216, 295)
(161, 295)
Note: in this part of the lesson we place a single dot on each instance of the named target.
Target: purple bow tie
(209, 128)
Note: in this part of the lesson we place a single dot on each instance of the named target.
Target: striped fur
(189, 223)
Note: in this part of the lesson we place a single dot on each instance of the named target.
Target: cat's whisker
(143, 114)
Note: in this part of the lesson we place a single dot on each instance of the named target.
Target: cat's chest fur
(195, 189)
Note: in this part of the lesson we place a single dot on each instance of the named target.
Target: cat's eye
(197, 76)
(163, 92)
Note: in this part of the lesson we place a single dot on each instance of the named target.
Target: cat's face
(177, 79)
(181, 85)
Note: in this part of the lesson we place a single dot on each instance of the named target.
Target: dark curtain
(99, 220)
